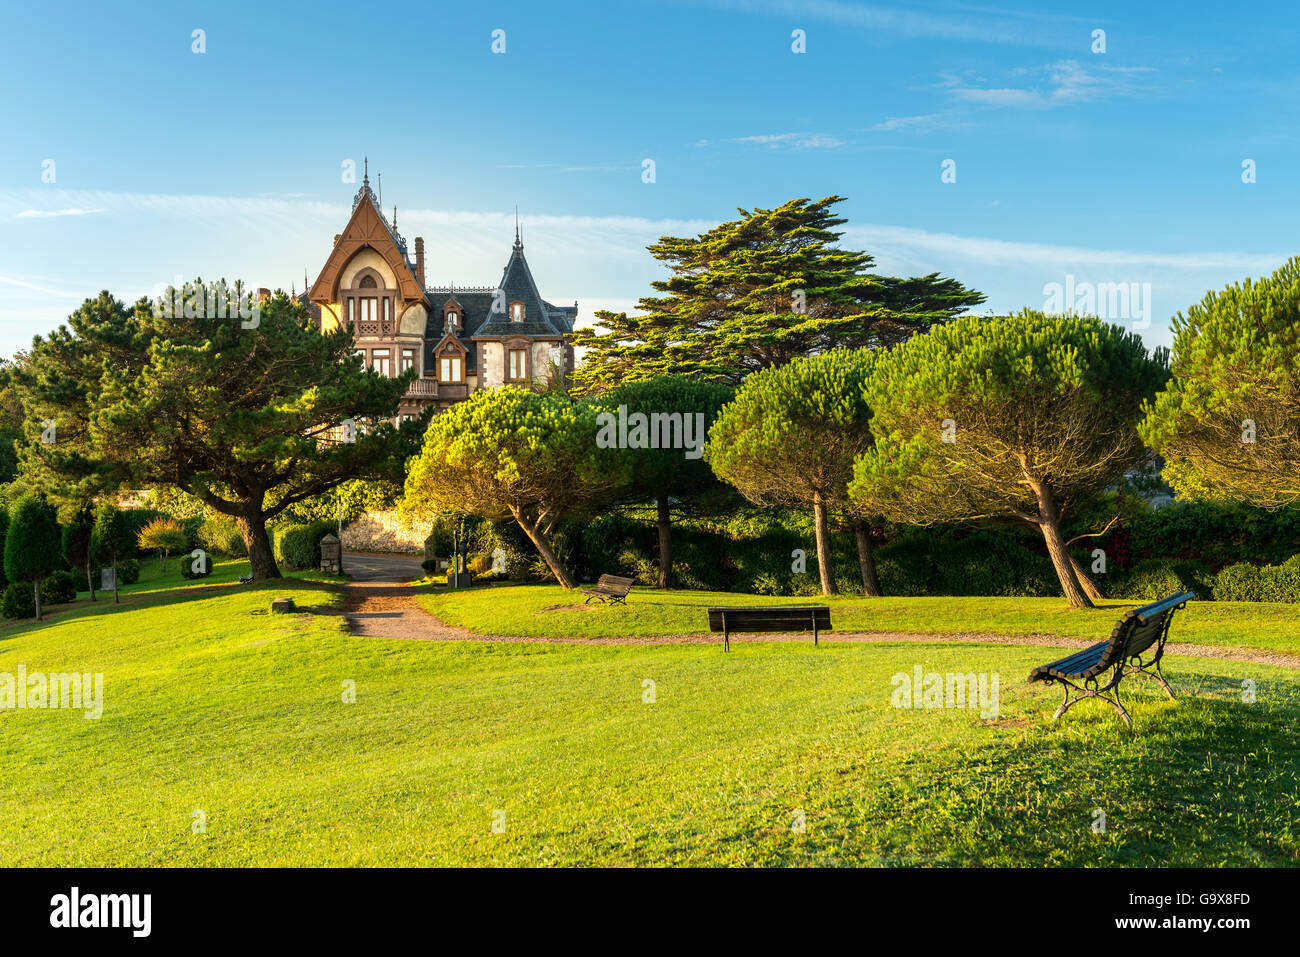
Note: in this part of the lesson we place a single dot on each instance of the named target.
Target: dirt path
(380, 604)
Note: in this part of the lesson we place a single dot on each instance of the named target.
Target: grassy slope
(212, 704)
(547, 611)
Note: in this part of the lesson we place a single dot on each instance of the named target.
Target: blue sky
(1122, 166)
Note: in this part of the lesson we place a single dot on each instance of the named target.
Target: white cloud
(795, 140)
(1059, 84)
(44, 213)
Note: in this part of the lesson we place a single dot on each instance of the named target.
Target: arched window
(369, 305)
(516, 311)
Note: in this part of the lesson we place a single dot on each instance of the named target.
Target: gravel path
(379, 603)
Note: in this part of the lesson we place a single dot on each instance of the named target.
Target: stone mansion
(457, 339)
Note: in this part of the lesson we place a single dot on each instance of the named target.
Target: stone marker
(281, 606)
(331, 554)
(106, 578)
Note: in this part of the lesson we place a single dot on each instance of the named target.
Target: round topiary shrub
(19, 602)
(58, 587)
(128, 572)
(187, 567)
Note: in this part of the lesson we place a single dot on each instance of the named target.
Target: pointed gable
(367, 229)
(518, 285)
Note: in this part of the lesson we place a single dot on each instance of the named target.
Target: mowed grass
(213, 705)
(547, 611)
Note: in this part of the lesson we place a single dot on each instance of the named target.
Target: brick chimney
(419, 261)
(263, 294)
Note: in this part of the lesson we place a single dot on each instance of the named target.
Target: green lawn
(548, 611)
(212, 704)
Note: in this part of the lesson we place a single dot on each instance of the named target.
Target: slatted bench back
(779, 618)
(1141, 628)
(615, 582)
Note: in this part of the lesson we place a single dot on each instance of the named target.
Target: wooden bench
(779, 618)
(1093, 672)
(610, 588)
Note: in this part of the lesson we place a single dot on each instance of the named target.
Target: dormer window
(516, 311)
(453, 319)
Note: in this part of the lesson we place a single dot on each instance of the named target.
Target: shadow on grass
(1207, 779)
(152, 594)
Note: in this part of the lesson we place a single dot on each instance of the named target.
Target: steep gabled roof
(366, 229)
(518, 285)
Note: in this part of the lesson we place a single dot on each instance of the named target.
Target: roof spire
(394, 215)
(519, 243)
(366, 179)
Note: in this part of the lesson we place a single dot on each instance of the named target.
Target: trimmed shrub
(298, 546)
(19, 602)
(58, 587)
(187, 566)
(1245, 582)
(128, 572)
(1158, 578)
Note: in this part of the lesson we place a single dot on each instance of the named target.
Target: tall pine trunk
(665, 544)
(1049, 522)
(116, 600)
(866, 560)
(544, 549)
(90, 576)
(823, 546)
(36, 590)
(261, 557)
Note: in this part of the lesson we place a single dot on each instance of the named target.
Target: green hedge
(298, 546)
(1158, 578)
(1244, 582)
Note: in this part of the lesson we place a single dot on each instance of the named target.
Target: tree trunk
(544, 549)
(115, 598)
(90, 578)
(1086, 581)
(823, 547)
(261, 557)
(36, 590)
(665, 544)
(1049, 522)
(866, 560)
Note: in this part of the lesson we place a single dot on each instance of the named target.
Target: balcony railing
(433, 389)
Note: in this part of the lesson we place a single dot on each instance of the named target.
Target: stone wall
(383, 532)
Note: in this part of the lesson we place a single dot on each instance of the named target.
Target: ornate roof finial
(519, 244)
(366, 179)
(394, 215)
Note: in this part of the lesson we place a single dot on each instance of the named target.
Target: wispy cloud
(792, 140)
(919, 124)
(1061, 83)
(1007, 252)
(45, 213)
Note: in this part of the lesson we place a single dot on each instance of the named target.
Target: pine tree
(32, 545)
(758, 292)
(250, 417)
